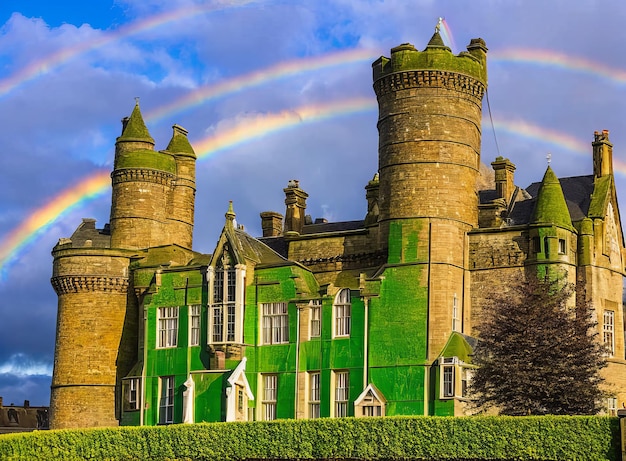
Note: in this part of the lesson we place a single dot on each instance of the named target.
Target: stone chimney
(271, 223)
(371, 194)
(504, 175)
(295, 200)
(602, 154)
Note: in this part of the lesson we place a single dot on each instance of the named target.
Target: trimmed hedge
(389, 438)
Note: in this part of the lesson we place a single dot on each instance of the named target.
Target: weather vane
(549, 158)
(137, 99)
(438, 26)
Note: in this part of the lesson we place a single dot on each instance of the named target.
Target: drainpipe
(297, 358)
(366, 302)
(143, 368)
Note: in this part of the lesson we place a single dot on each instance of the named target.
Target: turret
(142, 181)
(181, 204)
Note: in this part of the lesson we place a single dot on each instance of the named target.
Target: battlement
(436, 56)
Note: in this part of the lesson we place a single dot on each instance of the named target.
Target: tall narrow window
(342, 313)
(447, 376)
(226, 301)
(270, 385)
(608, 332)
(314, 394)
(562, 247)
(316, 317)
(131, 389)
(194, 325)
(456, 324)
(167, 335)
(275, 322)
(341, 393)
(612, 406)
(166, 402)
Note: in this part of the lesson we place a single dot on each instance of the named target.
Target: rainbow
(41, 219)
(554, 59)
(281, 70)
(446, 34)
(43, 66)
(97, 184)
(19, 239)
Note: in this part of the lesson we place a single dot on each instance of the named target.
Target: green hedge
(390, 438)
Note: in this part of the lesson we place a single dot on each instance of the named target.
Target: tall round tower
(142, 181)
(430, 109)
(96, 334)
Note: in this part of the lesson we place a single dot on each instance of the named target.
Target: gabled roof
(244, 248)
(374, 391)
(239, 376)
(577, 191)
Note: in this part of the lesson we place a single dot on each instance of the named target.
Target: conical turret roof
(179, 144)
(550, 206)
(437, 42)
(135, 128)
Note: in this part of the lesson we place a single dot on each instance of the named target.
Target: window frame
(167, 327)
(342, 314)
(608, 331)
(195, 322)
(341, 393)
(269, 396)
(223, 307)
(315, 321)
(314, 394)
(562, 246)
(274, 323)
(132, 393)
(456, 322)
(167, 393)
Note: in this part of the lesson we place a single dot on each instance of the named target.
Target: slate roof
(576, 189)
(100, 238)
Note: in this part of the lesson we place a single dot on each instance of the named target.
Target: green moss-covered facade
(328, 319)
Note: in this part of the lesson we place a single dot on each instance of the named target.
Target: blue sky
(59, 125)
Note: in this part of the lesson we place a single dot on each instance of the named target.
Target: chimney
(271, 223)
(504, 175)
(371, 195)
(602, 154)
(295, 200)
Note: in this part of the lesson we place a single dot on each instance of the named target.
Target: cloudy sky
(270, 90)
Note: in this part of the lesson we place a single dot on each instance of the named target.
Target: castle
(325, 319)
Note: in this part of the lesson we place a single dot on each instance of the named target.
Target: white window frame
(225, 307)
(315, 327)
(608, 331)
(447, 376)
(167, 327)
(275, 323)
(314, 405)
(611, 406)
(342, 314)
(269, 396)
(341, 393)
(166, 399)
(454, 378)
(195, 311)
(132, 394)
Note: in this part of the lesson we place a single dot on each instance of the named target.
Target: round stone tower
(142, 182)
(430, 110)
(96, 330)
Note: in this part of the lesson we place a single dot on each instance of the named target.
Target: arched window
(342, 311)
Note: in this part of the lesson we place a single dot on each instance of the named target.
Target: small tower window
(562, 247)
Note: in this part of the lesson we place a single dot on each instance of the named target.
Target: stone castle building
(315, 319)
